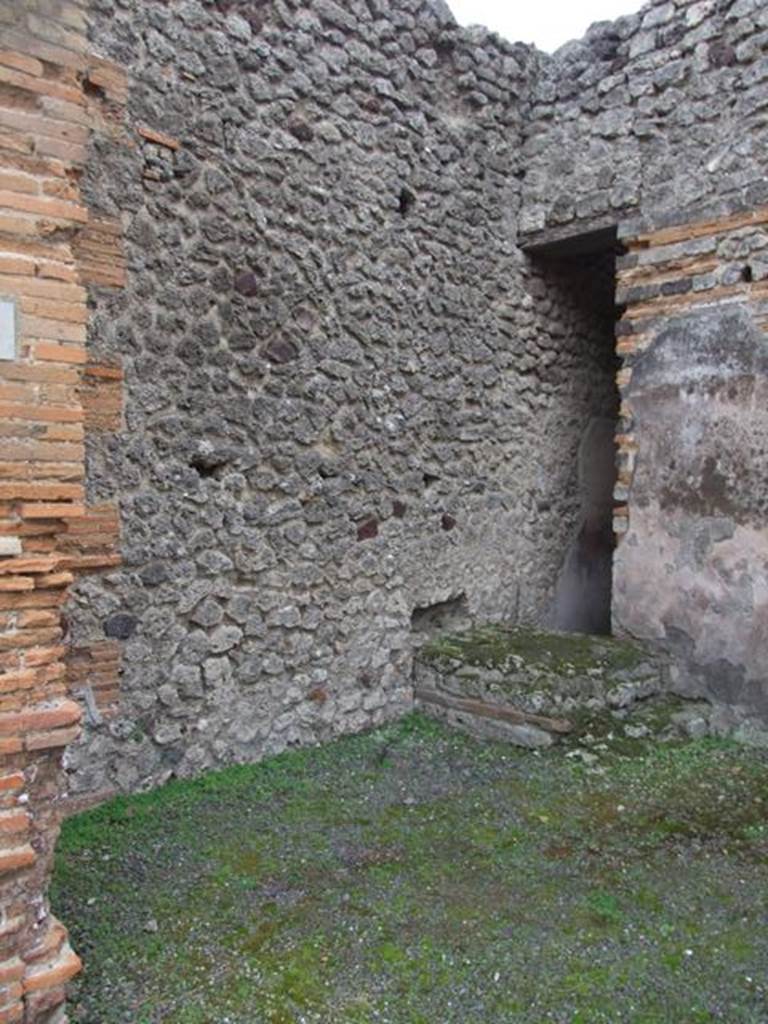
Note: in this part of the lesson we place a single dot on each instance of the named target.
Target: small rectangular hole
(442, 615)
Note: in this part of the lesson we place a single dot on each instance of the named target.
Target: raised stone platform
(533, 688)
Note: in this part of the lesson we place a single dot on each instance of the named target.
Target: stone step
(533, 688)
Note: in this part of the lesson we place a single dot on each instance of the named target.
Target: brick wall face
(50, 395)
(693, 461)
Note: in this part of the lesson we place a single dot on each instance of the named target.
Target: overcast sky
(547, 23)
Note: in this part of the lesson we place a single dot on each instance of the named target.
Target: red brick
(66, 965)
(21, 285)
(21, 62)
(45, 130)
(70, 470)
(54, 309)
(16, 858)
(18, 183)
(70, 152)
(15, 265)
(38, 618)
(27, 565)
(41, 492)
(53, 31)
(12, 971)
(16, 142)
(14, 583)
(65, 713)
(14, 225)
(45, 655)
(159, 138)
(12, 783)
(49, 943)
(17, 392)
(110, 77)
(60, 353)
(21, 639)
(64, 432)
(13, 822)
(52, 451)
(51, 739)
(54, 579)
(104, 372)
(12, 1014)
(52, 511)
(59, 271)
(10, 682)
(36, 599)
(45, 206)
(41, 86)
(34, 327)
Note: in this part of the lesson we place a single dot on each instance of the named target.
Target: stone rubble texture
(534, 689)
(296, 365)
(348, 392)
(561, 686)
(347, 395)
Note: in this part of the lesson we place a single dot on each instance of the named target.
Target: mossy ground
(498, 646)
(415, 876)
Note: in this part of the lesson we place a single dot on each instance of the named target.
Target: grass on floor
(416, 876)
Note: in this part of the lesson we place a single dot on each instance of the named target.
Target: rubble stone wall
(378, 400)
(349, 393)
(655, 113)
(344, 398)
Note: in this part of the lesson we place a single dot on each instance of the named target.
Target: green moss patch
(508, 646)
(414, 875)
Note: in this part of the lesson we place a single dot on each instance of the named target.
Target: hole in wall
(452, 613)
(444, 48)
(203, 469)
(406, 201)
(94, 91)
(208, 459)
(430, 479)
(746, 273)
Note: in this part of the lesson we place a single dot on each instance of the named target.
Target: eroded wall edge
(53, 95)
(689, 572)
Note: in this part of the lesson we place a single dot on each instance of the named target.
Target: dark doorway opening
(577, 275)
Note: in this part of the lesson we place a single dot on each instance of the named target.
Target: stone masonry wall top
(653, 116)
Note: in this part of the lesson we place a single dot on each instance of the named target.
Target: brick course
(50, 249)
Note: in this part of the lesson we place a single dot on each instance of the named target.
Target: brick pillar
(670, 272)
(48, 108)
(689, 572)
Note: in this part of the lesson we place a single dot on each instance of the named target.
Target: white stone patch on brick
(7, 329)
